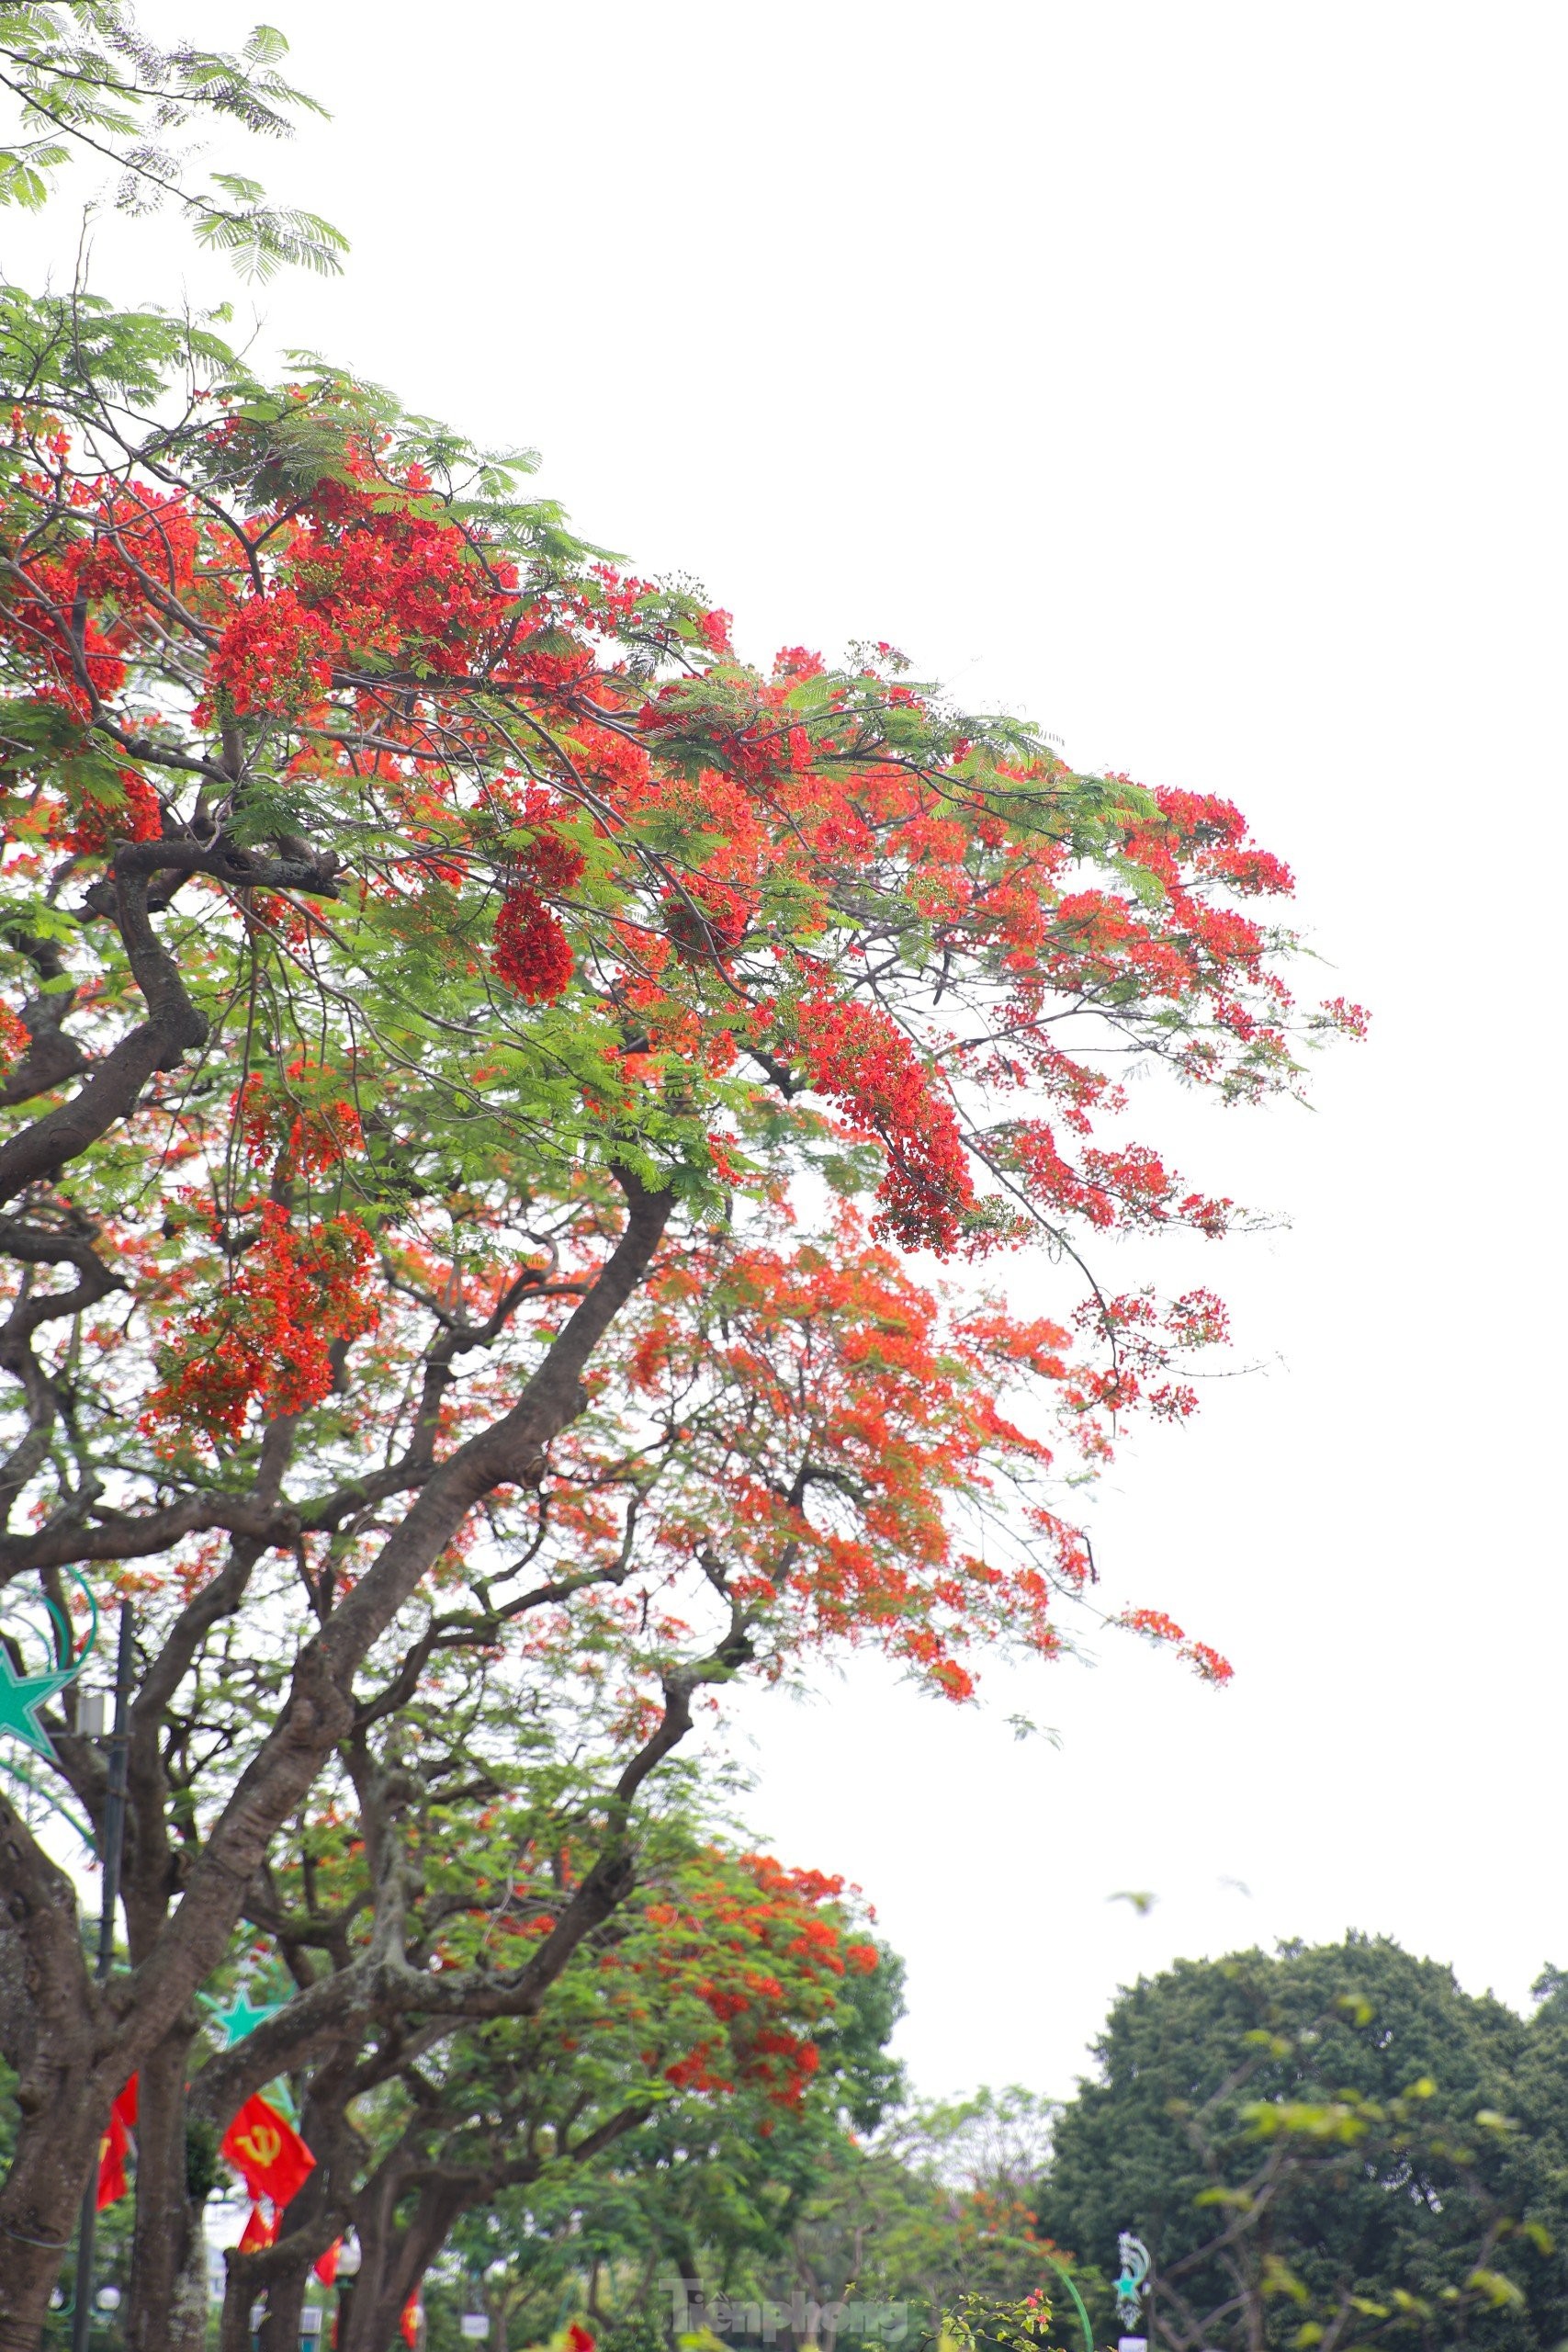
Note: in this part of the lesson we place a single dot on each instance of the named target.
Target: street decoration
(258, 2233)
(241, 2017)
(1135, 2258)
(114, 2147)
(22, 1694)
(1066, 2280)
(266, 2150)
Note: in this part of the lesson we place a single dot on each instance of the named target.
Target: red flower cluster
(76, 611)
(756, 1945)
(276, 655)
(532, 953)
(857, 1054)
(707, 918)
(297, 1136)
(267, 1338)
(531, 950)
(1158, 1627)
(14, 1038)
(135, 817)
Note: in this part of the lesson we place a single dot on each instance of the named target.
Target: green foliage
(201, 2159)
(85, 83)
(921, 2233)
(1326, 2147)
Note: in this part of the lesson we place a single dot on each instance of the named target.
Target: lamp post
(109, 1855)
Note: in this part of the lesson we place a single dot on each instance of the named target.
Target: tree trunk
(54, 2158)
(285, 2301)
(234, 2327)
(396, 2261)
(687, 2298)
(48, 2031)
(168, 2269)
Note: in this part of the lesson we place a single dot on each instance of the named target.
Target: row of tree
(1327, 2146)
(487, 1077)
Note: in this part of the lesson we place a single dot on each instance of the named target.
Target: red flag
(111, 2162)
(258, 2231)
(115, 2145)
(266, 2148)
(578, 2339)
(412, 2317)
(325, 2265)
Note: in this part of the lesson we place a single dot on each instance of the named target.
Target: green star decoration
(242, 2017)
(21, 1696)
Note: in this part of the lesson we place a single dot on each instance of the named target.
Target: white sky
(1192, 377)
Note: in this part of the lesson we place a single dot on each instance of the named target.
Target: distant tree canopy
(852, 2224)
(1328, 2147)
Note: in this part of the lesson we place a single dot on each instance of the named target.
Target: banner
(266, 2150)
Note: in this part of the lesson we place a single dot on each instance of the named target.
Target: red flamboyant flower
(532, 953)
(267, 1338)
(135, 817)
(857, 1054)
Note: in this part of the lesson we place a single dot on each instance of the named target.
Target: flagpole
(114, 1839)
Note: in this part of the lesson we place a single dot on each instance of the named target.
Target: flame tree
(491, 1080)
(442, 2056)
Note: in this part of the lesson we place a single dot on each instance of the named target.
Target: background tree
(443, 970)
(709, 1986)
(1320, 2148)
(930, 2217)
(817, 2234)
(685, 2207)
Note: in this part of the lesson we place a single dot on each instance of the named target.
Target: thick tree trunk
(396, 2261)
(43, 2193)
(285, 2301)
(168, 2273)
(49, 2026)
(235, 2328)
(189, 2302)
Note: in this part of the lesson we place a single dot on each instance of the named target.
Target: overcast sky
(1192, 377)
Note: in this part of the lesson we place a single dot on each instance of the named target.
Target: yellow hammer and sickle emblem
(103, 2147)
(261, 2144)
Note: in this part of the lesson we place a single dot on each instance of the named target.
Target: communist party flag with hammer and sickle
(115, 2145)
(257, 2232)
(265, 2149)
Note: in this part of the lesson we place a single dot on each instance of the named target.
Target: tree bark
(113, 1086)
(49, 2023)
(396, 2259)
(168, 2248)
